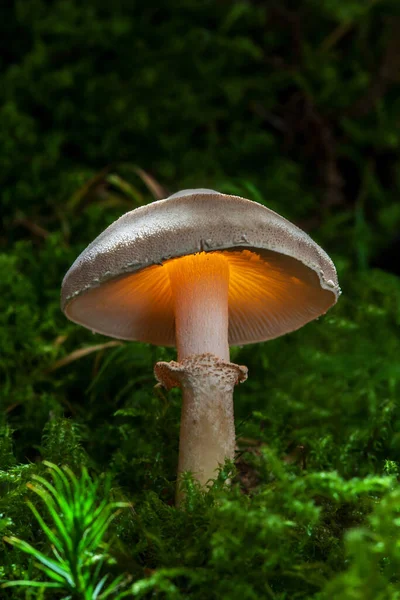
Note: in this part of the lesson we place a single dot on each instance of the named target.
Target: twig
(34, 228)
(80, 353)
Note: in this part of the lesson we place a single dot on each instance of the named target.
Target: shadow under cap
(279, 278)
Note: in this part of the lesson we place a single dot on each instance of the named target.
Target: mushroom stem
(199, 286)
(207, 435)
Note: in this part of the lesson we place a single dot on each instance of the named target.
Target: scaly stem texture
(207, 435)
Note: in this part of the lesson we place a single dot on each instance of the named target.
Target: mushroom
(201, 271)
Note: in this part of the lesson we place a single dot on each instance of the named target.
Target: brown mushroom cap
(279, 279)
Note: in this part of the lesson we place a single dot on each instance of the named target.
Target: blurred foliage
(294, 105)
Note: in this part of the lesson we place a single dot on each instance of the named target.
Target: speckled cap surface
(279, 277)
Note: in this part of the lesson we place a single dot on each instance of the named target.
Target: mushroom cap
(279, 279)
